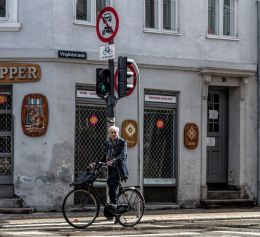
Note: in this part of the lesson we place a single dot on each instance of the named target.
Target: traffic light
(102, 82)
(123, 74)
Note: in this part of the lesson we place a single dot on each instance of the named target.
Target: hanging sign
(35, 115)
(191, 135)
(19, 72)
(129, 132)
(107, 24)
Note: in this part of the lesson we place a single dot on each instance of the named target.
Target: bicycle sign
(107, 52)
(107, 24)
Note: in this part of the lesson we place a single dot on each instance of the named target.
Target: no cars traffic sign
(107, 24)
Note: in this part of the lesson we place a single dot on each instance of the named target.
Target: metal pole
(258, 102)
(111, 99)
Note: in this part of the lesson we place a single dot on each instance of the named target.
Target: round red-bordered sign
(107, 24)
(129, 92)
(93, 120)
(160, 123)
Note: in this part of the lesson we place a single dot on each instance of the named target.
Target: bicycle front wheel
(130, 207)
(80, 208)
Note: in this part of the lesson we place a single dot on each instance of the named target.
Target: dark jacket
(119, 157)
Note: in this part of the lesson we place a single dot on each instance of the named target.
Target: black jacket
(119, 157)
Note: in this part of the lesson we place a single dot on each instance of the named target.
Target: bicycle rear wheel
(130, 207)
(80, 208)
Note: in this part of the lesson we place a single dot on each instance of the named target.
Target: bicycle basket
(85, 177)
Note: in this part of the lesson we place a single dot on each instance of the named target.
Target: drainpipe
(258, 102)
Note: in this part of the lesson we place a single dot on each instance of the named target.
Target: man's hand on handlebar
(109, 163)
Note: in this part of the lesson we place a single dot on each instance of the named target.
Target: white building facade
(197, 63)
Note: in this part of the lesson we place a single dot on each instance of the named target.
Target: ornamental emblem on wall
(129, 132)
(191, 135)
(35, 115)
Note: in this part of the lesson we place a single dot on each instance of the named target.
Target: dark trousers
(113, 182)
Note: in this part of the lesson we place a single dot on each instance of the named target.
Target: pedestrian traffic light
(102, 82)
(123, 74)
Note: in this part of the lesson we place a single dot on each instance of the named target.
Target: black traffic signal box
(102, 82)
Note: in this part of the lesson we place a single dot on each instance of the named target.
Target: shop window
(9, 15)
(161, 15)
(86, 11)
(222, 18)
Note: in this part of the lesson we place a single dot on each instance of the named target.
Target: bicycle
(81, 205)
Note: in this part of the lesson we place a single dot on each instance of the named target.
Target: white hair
(114, 128)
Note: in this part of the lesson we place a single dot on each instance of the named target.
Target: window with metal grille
(5, 134)
(90, 135)
(159, 152)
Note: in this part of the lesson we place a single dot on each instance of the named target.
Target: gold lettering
(12, 72)
(32, 73)
(3, 71)
(21, 72)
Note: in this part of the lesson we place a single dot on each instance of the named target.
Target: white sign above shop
(161, 98)
(87, 94)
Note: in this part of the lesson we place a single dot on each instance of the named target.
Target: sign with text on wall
(160, 99)
(87, 94)
(19, 72)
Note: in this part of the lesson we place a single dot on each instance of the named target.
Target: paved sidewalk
(152, 216)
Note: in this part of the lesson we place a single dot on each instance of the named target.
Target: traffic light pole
(111, 99)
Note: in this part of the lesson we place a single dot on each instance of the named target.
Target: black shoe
(112, 206)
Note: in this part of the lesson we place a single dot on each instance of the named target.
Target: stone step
(227, 203)
(6, 190)
(223, 194)
(13, 202)
(17, 210)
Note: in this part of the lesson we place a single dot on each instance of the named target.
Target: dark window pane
(228, 17)
(2, 8)
(168, 14)
(213, 17)
(100, 5)
(83, 10)
(150, 13)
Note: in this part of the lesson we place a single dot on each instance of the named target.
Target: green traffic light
(102, 88)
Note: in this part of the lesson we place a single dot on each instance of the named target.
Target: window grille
(5, 134)
(159, 152)
(90, 135)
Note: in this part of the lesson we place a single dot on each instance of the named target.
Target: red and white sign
(107, 24)
(130, 91)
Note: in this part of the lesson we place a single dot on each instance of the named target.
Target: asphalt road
(56, 226)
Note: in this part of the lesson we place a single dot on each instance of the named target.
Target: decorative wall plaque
(130, 132)
(35, 115)
(191, 135)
